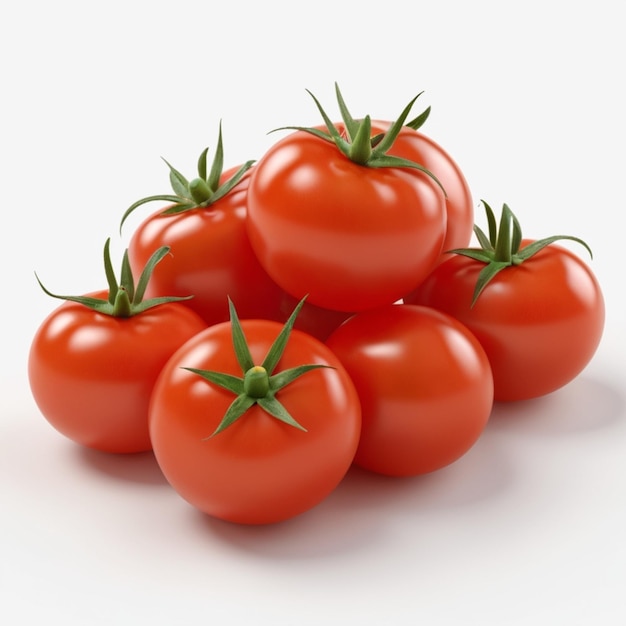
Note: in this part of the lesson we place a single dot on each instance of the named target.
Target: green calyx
(359, 145)
(503, 247)
(258, 384)
(199, 192)
(124, 298)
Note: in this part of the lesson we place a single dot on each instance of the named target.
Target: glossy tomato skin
(539, 322)
(351, 237)
(424, 383)
(210, 258)
(92, 374)
(258, 470)
(418, 147)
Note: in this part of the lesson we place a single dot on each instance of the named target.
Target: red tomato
(424, 383)
(415, 146)
(258, 470)
(92, 374)
(211, 258)
(540, 322)
(351, 237)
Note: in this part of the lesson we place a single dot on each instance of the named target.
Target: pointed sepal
(359, 145)
(257, 384)
(502, 248)
(123, 298)
(199, 192)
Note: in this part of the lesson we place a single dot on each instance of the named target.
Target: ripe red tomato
(349, 236)
(259, 469)
(91, 374)
(211, 258)
(539, 322)
(424, 383)
(416, 146)
(536, 308)
(334, 216)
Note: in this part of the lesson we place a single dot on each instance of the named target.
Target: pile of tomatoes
(278, 321)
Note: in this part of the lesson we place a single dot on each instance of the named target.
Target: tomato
(416, 146)
(424, 383)
(348, 236)
(259, 469)
(333, 218)
(94, 360)
(540, 321)
(92, 374)
(211, 258)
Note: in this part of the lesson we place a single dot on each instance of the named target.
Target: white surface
(528, 527)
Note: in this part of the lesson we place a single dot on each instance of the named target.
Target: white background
(528, 97)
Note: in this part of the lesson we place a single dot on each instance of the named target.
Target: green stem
(256, 382)
(199, 190)
(361, 147)
(122, 306)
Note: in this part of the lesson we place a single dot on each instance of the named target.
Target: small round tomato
(424, 383)
(259, 434)
(539, 315)
(416, 146)
(336, 218)
(211, 256)
(91, 372)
